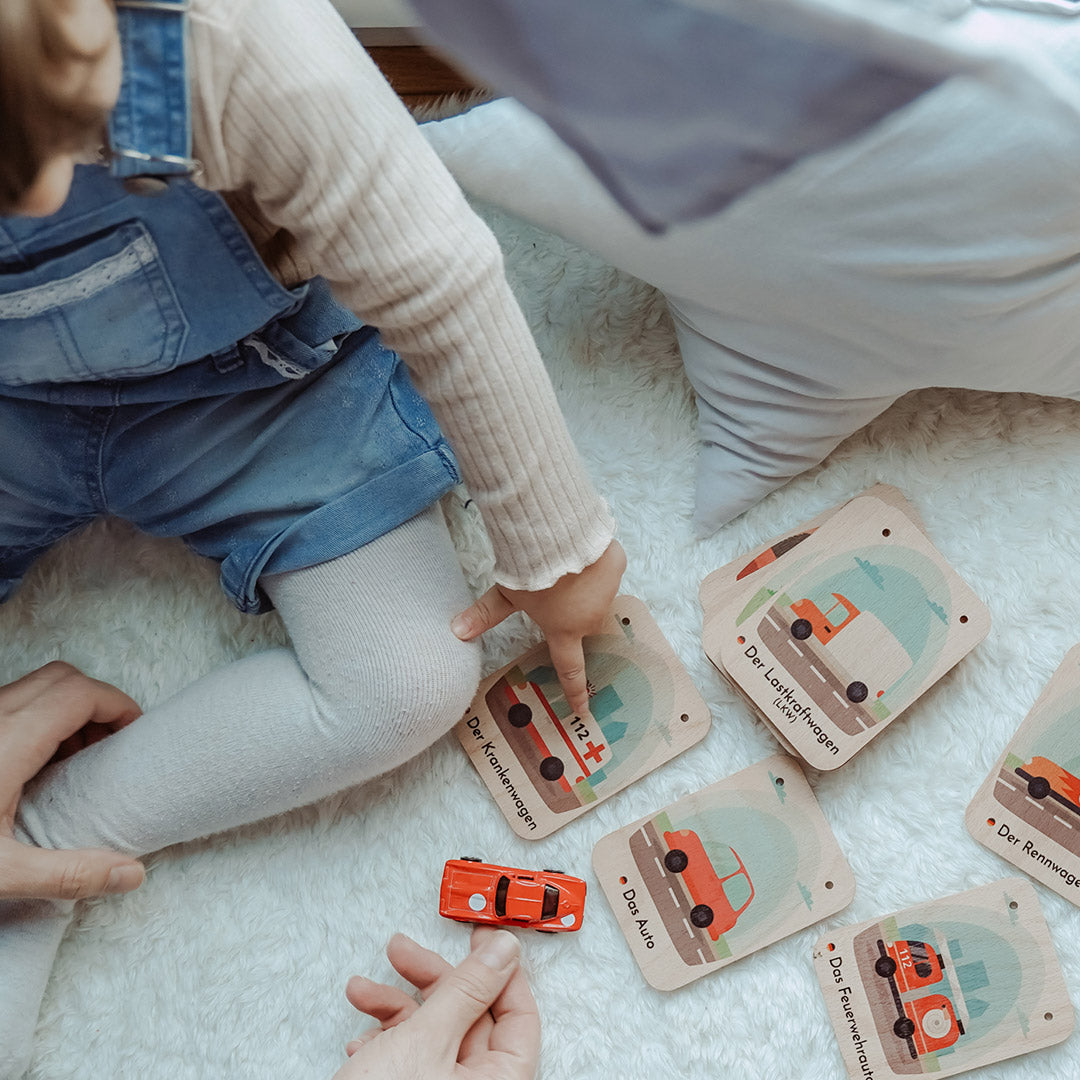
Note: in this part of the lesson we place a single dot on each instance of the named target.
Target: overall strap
(150, 127)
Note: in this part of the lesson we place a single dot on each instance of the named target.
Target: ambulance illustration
(571, 749)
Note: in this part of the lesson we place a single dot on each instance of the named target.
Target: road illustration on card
(723, 873)
(543, 762)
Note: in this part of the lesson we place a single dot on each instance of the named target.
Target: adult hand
(575, 606)
(478, 1021)
(53, 712)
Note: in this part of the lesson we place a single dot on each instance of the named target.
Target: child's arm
(477, 1020)
(292, 112)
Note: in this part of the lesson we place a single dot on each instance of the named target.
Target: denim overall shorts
(151, 368)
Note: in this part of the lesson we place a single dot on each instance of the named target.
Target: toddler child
(188, 330)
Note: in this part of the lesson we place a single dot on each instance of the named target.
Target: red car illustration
(474, 891)
(711, 893)
(1045, 777)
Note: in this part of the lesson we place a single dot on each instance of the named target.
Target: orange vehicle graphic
(571, 749)
(1046, 778)
(927, 1022)
(719, 899)
(874, 646)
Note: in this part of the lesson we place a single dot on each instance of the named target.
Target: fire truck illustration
(872, 646)
(932, 996)
(571, 749)
(1046, 778)
(719, 898)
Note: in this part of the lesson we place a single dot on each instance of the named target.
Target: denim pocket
(104, 309)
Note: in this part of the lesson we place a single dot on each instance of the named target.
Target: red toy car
(473, 891)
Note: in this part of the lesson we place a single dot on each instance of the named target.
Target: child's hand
(55, 711)
(478, 1020)
(576, 605)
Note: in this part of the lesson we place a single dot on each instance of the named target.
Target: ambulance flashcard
(1028, 808)
(840, 640)
(723, 873)
(546, 766)
(946, 986)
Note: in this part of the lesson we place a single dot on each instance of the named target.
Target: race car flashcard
(946, 986)
(845, 635)
(722, 873)
(544, 765)
(729, 582)
(1028, 808)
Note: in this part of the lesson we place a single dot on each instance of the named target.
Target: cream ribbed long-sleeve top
(327, 171)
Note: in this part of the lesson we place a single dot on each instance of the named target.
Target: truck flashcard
(946, 986)
(544, 765)
(1028, 808)
(847, 632)
(723, 873)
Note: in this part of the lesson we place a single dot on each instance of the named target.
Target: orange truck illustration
(1046, 778)
(572, 749)
(930, 996)
(873, 649)
(718, 899)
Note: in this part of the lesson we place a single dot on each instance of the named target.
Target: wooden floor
(418, 76)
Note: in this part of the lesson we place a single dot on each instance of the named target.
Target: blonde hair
(41, 110)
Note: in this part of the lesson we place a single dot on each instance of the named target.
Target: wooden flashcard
(946, 986)
(544, 765)
(846, 633)
(1028, 808)
(723, 873)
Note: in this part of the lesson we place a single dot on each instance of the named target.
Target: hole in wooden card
(1013, 905)
(1048, 1016)
(625, 621)
(828, 884)
(886, 532)
(779, 781)
(685, 718)
(963, 618)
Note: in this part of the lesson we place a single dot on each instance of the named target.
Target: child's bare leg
(376, 676)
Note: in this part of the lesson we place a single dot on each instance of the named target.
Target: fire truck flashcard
(946, 986)
(544, 765)
(860, 620)
(1028, 808)
(722, 873)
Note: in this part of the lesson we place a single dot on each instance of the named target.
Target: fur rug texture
(231, 960)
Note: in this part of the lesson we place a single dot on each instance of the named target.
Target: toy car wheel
(1038, 787)
(857, 692)
(548, 870)
(701, 916)
(904, 1028)
(519, 714)
(551, 768)
(885, 966)
(676, 860)
(470, 858)
(801, 629)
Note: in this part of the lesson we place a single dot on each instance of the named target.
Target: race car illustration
(546, 900)
(1046, 778)
(719, 899)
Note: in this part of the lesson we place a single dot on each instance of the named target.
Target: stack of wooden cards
(546, 766)
(946, 986)
(1028, 808)
(723, 873)
(833, 629)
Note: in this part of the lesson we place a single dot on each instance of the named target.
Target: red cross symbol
(593, 752)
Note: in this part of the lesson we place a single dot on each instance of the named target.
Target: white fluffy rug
(232, 959)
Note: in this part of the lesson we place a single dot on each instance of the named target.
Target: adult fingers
(465, 994)
(516, 1030)
(568, 660)
(30, 872)
(42, 709)
(387, 1004)
(488, 611)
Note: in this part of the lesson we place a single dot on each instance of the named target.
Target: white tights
(374, 677)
